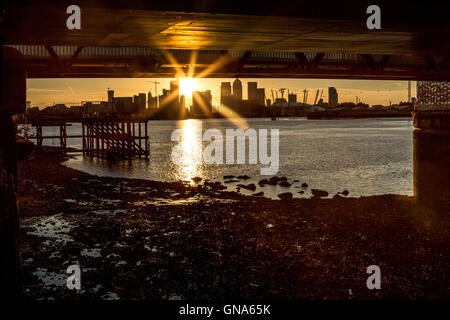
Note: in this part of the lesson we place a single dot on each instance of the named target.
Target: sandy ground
(137, 239)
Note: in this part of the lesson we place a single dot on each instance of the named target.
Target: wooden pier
(106, 138)
(113, 139)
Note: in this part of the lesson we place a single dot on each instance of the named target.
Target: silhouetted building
(172, 107)
(201, 103)
(140, 102)
(110, 95)
(225, 91)
(332, 97)
(252, 91)
(292, 98)
(261, 96)
(226, 98)
(182, 101)
(124, 105)
(152, 102)
(237, 89)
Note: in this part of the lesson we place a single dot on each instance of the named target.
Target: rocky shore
(139, 239)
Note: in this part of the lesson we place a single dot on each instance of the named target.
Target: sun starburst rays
(189, 84)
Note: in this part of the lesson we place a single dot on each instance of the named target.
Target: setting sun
(187, 86)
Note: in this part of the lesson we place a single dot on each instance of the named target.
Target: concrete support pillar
(12, 101)
(432, 145)
(10, 266)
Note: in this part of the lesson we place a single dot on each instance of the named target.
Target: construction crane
(305, 96)
(156, 92)
(282, 90)
(315, 99)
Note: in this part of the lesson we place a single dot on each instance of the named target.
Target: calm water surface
(364, 156)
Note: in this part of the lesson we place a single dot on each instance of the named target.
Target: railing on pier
(114, 139)
(103, 137)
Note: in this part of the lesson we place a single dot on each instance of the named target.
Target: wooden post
(146, 141)
(83, 139)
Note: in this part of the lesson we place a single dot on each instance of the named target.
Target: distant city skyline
(44, 92)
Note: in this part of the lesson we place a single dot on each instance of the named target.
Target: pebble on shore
(284, 184)
(319, 193)
(285, 196)
(250, 186)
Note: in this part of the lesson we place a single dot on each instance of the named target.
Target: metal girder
(147, 62)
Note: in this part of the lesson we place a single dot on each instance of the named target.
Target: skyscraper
(141, 102)
(110, 95)
(202, 103)
(174, 100)
(332, 97)
(151, 101)
(237, 89)
(261, 96)
(225, 90)
(174, 87)
(252, 91)
(225, 94)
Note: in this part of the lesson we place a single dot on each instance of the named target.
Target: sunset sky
(45, 92)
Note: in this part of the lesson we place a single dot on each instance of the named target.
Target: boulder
(319, 193)
(250, 186)
(285, 196)
(304, 185)
(284, 184)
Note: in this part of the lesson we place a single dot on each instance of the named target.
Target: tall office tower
(225, 90)
(135, 103)
(225, 95)
(123, 104)
(202, 103)
(175, 88)
(237, 89)
(110, 95)
(149, 100)
(174, 103)
(252, 91)
(261, 96)
(332, 97)
(182, 102)
(141, 102)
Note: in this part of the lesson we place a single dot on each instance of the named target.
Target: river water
(364, 156)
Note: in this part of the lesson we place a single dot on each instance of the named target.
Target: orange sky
(44, 92)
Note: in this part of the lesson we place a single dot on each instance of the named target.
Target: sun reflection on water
(190, 156)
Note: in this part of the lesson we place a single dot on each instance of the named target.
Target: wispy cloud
(44, 90)
(71, 90)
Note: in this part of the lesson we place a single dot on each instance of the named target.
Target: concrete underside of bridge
(283, 39)
(413, 44)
